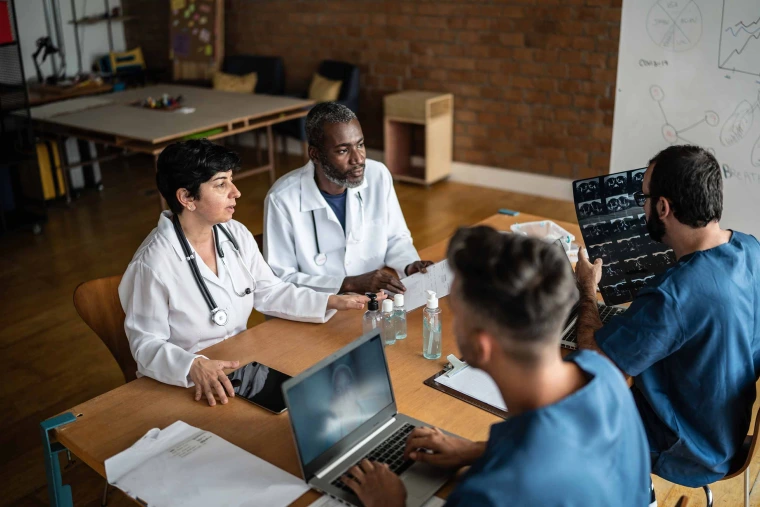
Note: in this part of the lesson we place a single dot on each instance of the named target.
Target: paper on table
(326, 501)
(183, 465)
(476, 384)
(438, 279)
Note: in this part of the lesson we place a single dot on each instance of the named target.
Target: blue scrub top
(691, 339)
(587, 450)
(338, 205)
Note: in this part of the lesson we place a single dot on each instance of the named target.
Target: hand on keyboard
(431, 445)
(376, 485)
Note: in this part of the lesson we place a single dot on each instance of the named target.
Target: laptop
(570, 333)
(342, 410)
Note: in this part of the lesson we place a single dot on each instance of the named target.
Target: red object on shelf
(6, 34)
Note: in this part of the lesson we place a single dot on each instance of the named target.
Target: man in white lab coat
(333, 224)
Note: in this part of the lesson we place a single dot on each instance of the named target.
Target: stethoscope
(218, 315)
(320, 259)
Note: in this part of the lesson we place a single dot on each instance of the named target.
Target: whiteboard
(689, 73)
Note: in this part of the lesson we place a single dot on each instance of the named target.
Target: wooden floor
(51, 361)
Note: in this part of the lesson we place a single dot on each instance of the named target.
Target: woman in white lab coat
(195, 279)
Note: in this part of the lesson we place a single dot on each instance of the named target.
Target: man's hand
(346, 302)
(376, 485)
(588, 275)
(417, 267)
(447, 451)
(374, 281)
(209, 379)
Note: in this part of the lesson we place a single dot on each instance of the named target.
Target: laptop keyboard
(570, 338)
(390, 452)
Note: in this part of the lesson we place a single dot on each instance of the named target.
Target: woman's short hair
(188, 164)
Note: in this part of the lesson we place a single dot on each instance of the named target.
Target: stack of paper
(183, 465)
(476, 384)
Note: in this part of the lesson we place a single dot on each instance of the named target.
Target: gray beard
(333, 175)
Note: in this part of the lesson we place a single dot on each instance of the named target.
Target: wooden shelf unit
(435, 113)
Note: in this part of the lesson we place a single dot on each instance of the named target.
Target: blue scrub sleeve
(650, 330)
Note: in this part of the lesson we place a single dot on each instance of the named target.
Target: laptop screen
(338, 397)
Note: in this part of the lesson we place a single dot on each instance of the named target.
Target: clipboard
(455, 365)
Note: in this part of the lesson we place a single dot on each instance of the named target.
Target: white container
(549, 231)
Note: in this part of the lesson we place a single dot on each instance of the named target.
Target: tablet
(260, 385)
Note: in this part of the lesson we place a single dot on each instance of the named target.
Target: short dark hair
(325, 112)
(524, 286)
(689, 177)
(188, 164)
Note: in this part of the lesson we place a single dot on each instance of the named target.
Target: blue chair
(348, 74)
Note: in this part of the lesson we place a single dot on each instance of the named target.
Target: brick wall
(533, 80)
(150, 30)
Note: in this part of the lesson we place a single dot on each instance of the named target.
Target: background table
(111, 120)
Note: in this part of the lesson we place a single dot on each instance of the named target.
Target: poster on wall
(614, 229)
(193, 29)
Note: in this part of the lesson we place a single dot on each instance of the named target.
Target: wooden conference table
(115, 420)
(112, 120)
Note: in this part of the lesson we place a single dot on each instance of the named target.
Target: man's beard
(655, 227)
(334, 175)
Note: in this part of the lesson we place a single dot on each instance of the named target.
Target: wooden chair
(97, 303)
(259, 239)
(740, 463)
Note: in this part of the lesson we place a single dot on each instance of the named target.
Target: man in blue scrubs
(691, 338)
(573, 438)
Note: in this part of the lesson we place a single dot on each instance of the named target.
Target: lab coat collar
(166, 229)
(311, 198)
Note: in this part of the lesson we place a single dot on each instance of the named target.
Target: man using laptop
(333, 224)
(573, 436)
(691, 337)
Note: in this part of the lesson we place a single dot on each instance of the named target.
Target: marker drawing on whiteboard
(669, 132)
(675, 25)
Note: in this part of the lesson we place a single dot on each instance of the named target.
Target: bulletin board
(196, 29)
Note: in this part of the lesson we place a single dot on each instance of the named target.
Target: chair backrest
(270, 71)
(347, 73)
(97, 302)
(748, 449)
(259, 239)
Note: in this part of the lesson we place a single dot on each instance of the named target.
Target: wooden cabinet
(435, 112)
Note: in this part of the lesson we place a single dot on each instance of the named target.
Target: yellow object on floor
(51, 175)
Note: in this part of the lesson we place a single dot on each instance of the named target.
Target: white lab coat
(376, 234)
(167, 318)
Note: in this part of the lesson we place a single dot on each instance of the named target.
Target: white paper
(476, 384)
(326, 501)
(183, 465)
(438, 279)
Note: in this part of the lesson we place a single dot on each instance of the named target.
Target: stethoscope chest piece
(219, 317)
(320, 259)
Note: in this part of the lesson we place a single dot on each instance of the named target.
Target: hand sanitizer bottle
(389, 331)
(372, 319)
(431, 328)
(399, 316)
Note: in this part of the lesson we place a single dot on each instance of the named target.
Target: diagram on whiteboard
(740, 37)
(671, 134)
(739, 123)
(675, 25)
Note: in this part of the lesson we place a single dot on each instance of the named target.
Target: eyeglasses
(640, 198)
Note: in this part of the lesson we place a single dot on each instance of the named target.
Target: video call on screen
(336, 400)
